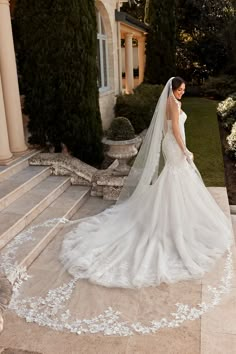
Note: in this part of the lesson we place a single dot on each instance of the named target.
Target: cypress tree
(56, 51)
(161, 42)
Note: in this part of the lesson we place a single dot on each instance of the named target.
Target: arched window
(102, 55)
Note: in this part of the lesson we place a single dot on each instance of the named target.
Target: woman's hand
(189, 156)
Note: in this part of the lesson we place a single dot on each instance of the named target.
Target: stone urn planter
(123, 151)
(123, 144)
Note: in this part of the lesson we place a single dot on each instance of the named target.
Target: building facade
(112, 26)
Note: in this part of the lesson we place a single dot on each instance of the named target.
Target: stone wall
(107, 101)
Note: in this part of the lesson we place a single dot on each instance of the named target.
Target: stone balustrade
(103, 183)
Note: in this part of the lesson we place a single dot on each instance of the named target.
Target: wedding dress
(165, 227)
(171, 230)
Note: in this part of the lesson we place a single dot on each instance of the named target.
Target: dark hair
(177, 82)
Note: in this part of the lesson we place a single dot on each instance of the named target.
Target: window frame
(102, 38)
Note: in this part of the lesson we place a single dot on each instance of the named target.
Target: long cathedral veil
(150, 161)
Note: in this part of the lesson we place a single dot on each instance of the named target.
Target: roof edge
(123, 17)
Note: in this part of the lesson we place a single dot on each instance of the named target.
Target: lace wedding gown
(175, 231)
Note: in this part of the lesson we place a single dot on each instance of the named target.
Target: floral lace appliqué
(51, 310)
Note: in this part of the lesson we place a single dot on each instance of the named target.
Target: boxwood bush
(120, 129)
(231, 140)
(226, 111)
(139, 107)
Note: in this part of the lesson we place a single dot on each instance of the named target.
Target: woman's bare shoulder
(171, 103)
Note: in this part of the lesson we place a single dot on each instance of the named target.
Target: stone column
(141, 58)
(10, 86)
(5, 153)
(129, 63)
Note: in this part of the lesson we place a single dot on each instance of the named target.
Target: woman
(166, 226)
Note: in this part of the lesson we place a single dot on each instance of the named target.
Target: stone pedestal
(106, 185)
(123, 151)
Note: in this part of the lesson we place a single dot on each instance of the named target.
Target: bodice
(182, 119)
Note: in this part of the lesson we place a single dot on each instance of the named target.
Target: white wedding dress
(165, 227)
(175, 231)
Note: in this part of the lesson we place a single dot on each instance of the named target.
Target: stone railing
(103, 183)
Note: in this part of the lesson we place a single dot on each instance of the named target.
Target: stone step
(48, 259)
(16, 165)
(24, 210)
(65, 206)
(20, 183)
(93, 206)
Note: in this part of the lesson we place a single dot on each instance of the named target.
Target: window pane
(104, 62)
(102, 27)
(99, 80)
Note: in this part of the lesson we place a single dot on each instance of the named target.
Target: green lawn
(203, 139)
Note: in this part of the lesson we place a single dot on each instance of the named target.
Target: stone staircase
(30, 195)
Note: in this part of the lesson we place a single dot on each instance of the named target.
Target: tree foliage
(135, 8)
(230, 45)
(205, 35)
(56, 52)
(161, 41)
(201, 42)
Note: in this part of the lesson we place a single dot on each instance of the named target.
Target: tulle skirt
(173, 231)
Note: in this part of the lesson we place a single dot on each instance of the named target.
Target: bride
(165, 227)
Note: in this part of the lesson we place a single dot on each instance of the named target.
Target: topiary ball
(121, 129)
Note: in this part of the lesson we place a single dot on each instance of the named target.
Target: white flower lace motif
(51, 310)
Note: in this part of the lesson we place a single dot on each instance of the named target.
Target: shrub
(231, 140)
(161, 41)
(121, 129)
(140, 106)
(226, 111)
(219, 87)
